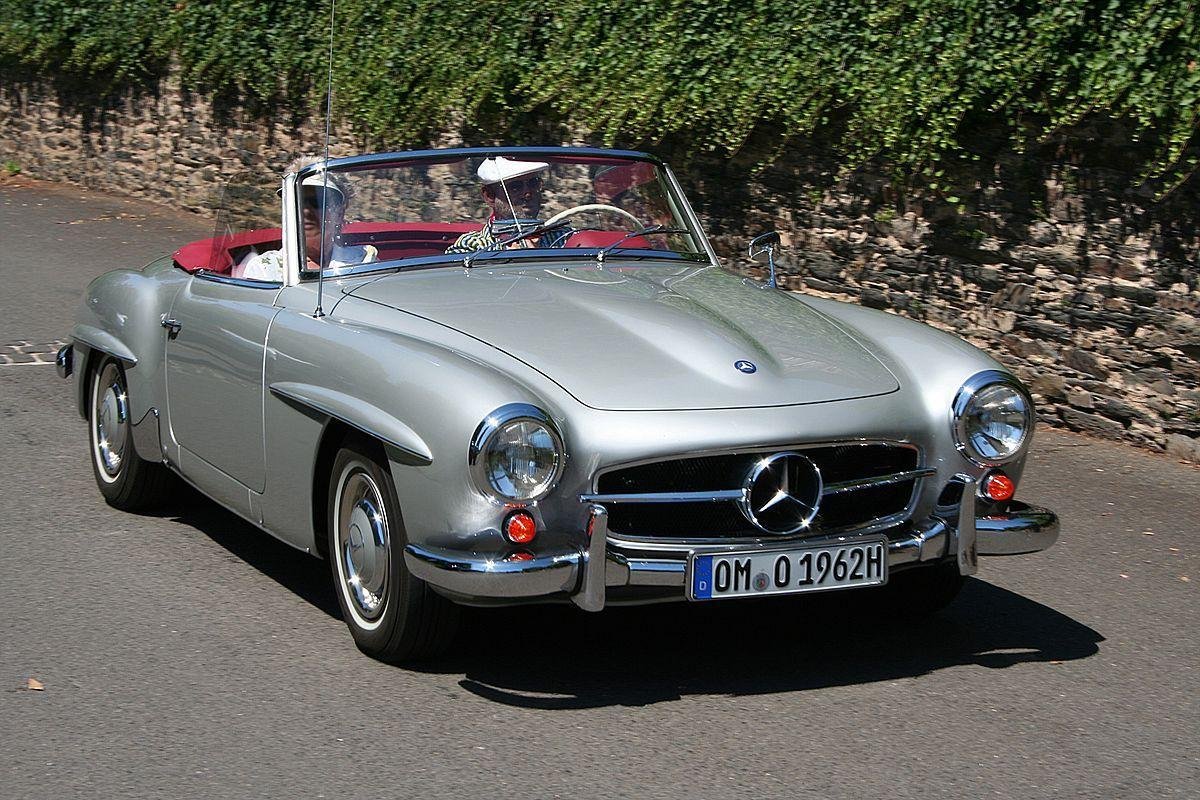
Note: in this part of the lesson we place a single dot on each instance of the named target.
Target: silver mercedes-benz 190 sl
(504, 375)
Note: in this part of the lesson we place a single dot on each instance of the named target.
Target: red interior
(406, 239)
(393, 240)
(604, 239)
(214, 254)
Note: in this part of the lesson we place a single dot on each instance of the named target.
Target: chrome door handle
(172, 325)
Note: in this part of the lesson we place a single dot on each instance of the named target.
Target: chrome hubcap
(110, 421)
(362, 545)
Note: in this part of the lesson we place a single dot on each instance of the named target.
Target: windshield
(471, 209)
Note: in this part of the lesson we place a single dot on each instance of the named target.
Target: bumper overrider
(611, 561)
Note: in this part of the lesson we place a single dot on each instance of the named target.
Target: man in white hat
(512, 190)
(320, 194)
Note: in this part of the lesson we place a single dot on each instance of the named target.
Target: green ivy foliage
(902, 81)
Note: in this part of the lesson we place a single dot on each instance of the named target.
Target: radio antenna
(325, 167)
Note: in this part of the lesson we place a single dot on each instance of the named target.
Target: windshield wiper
(501, 244)
(604, 251)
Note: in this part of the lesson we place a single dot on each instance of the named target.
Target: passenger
(512, 190)
(321, 192)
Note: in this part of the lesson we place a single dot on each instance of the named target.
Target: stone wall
(1054, 262)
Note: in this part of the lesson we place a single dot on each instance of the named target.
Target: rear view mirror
(766, 243)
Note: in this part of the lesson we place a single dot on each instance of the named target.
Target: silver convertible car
(511, 375)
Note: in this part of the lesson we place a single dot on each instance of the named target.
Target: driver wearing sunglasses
(320, 196)
(512, 190)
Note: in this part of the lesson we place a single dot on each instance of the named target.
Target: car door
(217, 332)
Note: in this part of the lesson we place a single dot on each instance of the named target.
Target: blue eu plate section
(702, 578)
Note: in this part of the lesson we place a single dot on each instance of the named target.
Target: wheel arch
(335, 435)
(120, 317)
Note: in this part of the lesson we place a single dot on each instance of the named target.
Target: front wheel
(392, 615)
(127, 481)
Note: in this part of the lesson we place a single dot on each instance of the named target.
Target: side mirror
(766, 243)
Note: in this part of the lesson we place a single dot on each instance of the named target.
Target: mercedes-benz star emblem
(782, 493)
(745, 366)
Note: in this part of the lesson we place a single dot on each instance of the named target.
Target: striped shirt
(486, 239)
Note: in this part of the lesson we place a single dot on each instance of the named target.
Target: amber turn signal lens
(520, 528)
(998, 487)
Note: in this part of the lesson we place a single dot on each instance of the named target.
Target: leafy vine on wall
(898, 81)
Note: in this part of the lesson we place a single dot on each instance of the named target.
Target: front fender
(361, 416)
(104, 342)
(120, 316)
(401, 380)
(933, 363)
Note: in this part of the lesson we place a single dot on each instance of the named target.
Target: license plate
(803, 569)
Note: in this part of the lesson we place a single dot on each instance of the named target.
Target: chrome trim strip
(590, 596)
(690, 216)
(767, 449)
(653, 565)
(451, 154)
(880, 480)
(966, 550)
(249, 283)
(473, 576)
(640, 541)
(1024, 529)
(724, 495)
(720, 496)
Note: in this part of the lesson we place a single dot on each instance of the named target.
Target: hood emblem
(745, 366)
(782, 493)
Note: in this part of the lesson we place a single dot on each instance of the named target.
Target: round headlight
(516, 454)
(993, 418)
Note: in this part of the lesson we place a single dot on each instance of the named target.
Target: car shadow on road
(562, 658)
(558, 657)
(298, 572)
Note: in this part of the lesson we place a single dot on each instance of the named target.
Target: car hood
(646, 337)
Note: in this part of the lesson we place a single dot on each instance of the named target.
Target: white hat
(320, 180)
(494, 170)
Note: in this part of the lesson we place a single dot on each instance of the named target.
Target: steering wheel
(560, 216)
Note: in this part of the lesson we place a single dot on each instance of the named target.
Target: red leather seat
(604, 239)
(215, 255)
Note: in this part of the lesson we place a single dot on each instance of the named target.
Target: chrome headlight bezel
(486, 435)
(960, 416)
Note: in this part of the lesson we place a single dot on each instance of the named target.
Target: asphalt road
(187, 655)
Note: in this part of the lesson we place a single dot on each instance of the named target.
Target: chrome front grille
(697, 497)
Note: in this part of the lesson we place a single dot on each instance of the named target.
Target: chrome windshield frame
(374, 161)
(569, 257)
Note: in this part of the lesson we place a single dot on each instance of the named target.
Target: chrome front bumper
(586, 575)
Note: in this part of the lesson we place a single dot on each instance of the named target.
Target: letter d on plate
(702, 578)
